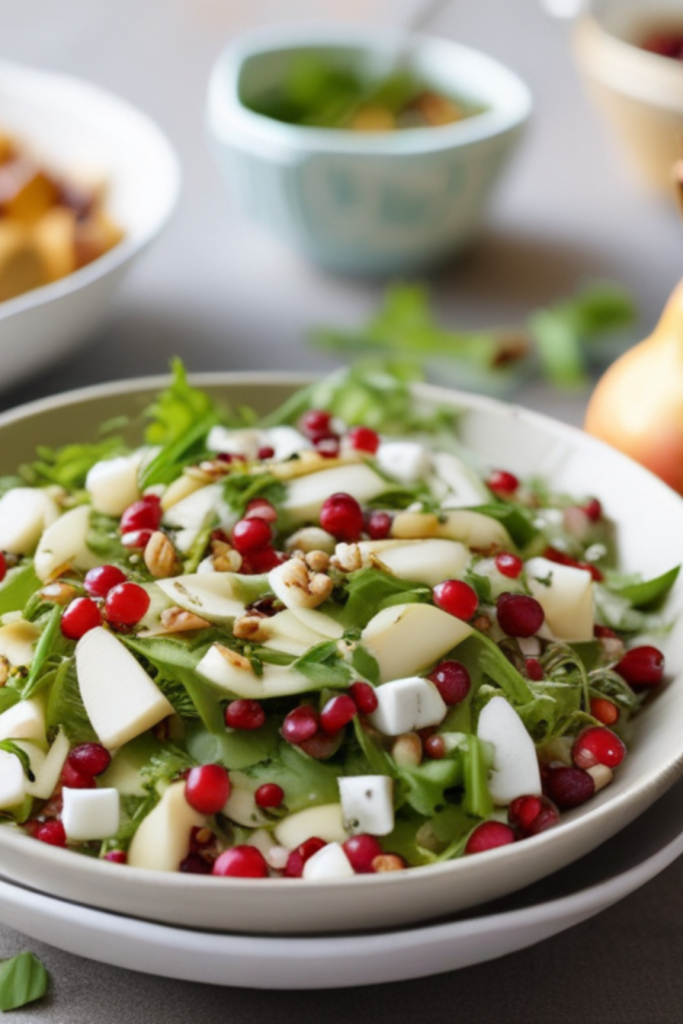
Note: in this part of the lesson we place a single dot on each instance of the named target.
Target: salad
(316, 644)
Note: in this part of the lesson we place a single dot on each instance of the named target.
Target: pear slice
(209, 595)
(289, 634)
(24, 721)
(566, 597)
(241, 806)
(191, 512)
(515, 769)
(425, 561)
(24, 513)
(12, 780)
(16, 641)
(293, 597)
(464, 486)
(474, 529)
(306, 494)
(121, 700)
(407, 638)
(113, 483)
(163, 839)
(233, 674)
(325, 821)
(48, 771)
(65, 543)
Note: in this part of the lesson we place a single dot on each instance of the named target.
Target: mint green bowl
(364, 202)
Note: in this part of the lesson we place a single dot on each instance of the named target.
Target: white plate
(614, 870)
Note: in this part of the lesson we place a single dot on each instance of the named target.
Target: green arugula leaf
(235, 750)
(483, 658)
(11, 747)
(69, 465)
(477, 800)
(241, 488)
(50, 636)
(23, 980)
(365, 664)
(516, 521)
(370, 590)
(324, 666)
(65, 706)
(177, 409)
(306, 782)
(17, 587)
(647, 593)
(425, 785)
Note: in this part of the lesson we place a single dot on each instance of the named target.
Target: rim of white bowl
(649, 785)
(25, 81)
(510, 98)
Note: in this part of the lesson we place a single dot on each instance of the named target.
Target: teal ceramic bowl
(364, 202)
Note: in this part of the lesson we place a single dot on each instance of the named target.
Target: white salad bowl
(649, 518)
(80, 130)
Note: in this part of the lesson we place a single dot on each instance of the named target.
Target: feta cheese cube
(328, 863)
(407, 704)
(367, 804)
(405, 461)
(236, 442)
(90, 813)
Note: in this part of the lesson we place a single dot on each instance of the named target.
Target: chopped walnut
(347, 558)
(160, 555)
(234, 658)
(252, 627)
(59, 593)
(177, 620)
(224, 557)
(318, 561)
(4, 669)
(309, 589)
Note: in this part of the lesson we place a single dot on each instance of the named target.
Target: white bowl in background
(650, 525)
(73, 124)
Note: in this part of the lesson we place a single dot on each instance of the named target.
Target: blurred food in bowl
(50, 225)
(622, 48)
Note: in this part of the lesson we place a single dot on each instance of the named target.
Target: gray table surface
(224, 296)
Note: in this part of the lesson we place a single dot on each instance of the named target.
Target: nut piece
(4, 669)
(388, 862)
(234, 658)
(347, 558)
(407, 750)
(59, 593)
(318, 561)
(224, 557)
(311, 589)
(160, 555)
(252, 627)
(601, 774)
(177, 620)
(181, 488)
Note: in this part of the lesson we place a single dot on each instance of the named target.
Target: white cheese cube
(113, 483)
(24, 721)
(405, 461)
(286, 441)
(236, 442)
(515, 769)
(566, 597)
(407, 704)
(24, 513)
(65, 543)
(327, 864)
(367, 804)
(324, 821)
(90, 813)
(12, 780)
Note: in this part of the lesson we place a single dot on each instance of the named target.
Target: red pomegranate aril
(592, 510)
(194, 864)
(315, 423)
(519, 615)
(328, 447)
(534, 669)
(144, 514)
(261, 508)
(502, 482)
(116, 857)
(300, 724)
(50, 832)
(241, 862)
(126, 604)
(251, 535)
(457, 598)
(488, 836)
(269, 795)
(322, 745)
(297, 858)
(99, 581)
(244, 714)
(531, 815)
(342, 516)
(509, 565)
(79, 617)
(73, 779)
(3, 567)
(604, 633)
(568, 786)
(378, 525)
(434, 747)
(136, 538)
(364, 697)
(258, 562)
(452, 680)
(361, 851)
(207, 788)
(642, 666)
(363, 439)
(89, 758)
(337, 713)
(266, 452)
(598, 745)
(553, 555)
(604, 710)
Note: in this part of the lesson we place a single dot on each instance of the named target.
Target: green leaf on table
(23, 980)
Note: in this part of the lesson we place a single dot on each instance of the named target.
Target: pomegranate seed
(604, 710)
(553, 555)
(258, 562)
(194, 864)
(241, 862)
(337, 713)
(79, 617)
(136, 538)
(519, 615)
(378, 525)
(388, 862)
(604, 633)
(592, 510)
(126, 604)
(364, 697)
(260, 508)
(267, 452)
(229, 457)
(361, 851)
(297, 858)
(321, 745)
(457, 598)
(73, 779)
(509, 565)
(642, 666)
(534, 669)
(98, 582)
(116, 857)
(300, 724)
(328, 447)
(502, 482)
(452, 680)
(341, 515)
(531, 815)
(363, 439)
(89, 758)
(568, 787)
(3, 567)
(488, 836)
(244, 714)
(50, 832)
(251, 535)
(269, 795)
(315, 423)
(598, 745)
(434, 747)
(207, 788)
(144, 514)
